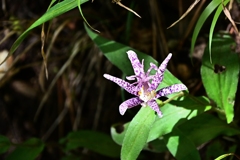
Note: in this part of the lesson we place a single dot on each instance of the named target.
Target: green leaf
(53, 12)
(116, 54)
(50, 5)
(95, 141)
(176, 113)
(205, 127)
(214, 21)
(181, 147)
(4, 144)
(118, 132)
(80, 10)
(157, 145)
(203, 17)
(137, 133)
(220, 78)
(29, 150)
(173, 115)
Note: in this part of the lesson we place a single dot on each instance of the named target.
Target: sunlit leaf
(173, 115)
(95, 141)
(181, 147)
(137, 133)
(116, 54)
(28, 150)
(118, 132)
(177, 113)
(220, 78)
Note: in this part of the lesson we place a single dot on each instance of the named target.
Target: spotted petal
(171, 89)
(137, 66)
(125, 85)
(153, 104)
(129, 104)
(157, 79)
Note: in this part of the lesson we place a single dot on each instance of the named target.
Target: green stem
(180, 94)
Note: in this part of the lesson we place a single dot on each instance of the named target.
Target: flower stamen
(146, 95)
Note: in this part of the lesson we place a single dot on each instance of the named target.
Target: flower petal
(171, 89)
(153, 104)
(125, 85)
(157, 79)
(137, 66)
(129, 104)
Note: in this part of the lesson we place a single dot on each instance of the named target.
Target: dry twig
(129, 9)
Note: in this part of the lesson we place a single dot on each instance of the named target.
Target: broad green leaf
(203, 17)
(4, 144)
(220, 78)
(137, 133)
(29, 150)
(95, 141)
(53, 12)
(116, 54)
(180, 146)
(214, 21)
(205, 127)
(176, 113)
(118, 132)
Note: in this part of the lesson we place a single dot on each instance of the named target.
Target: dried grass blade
(42, 51)
(75, 50)
(129, 9)
(41, 77)
(185, 14)
(228, 15)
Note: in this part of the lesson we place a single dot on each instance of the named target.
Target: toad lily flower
(146, 85)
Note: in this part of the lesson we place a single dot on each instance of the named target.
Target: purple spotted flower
(146, 85)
